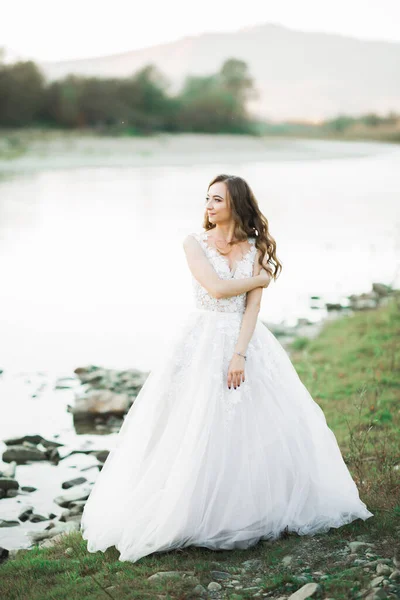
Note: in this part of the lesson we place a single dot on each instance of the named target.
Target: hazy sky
(50, 30)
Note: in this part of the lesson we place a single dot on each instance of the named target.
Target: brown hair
(249, 221)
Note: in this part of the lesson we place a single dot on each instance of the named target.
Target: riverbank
(30, 150)
(351, 368)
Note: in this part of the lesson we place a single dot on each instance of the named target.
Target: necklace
(224, 245)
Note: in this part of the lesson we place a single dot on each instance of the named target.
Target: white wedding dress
(196, 463)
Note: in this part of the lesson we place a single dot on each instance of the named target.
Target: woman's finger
(234, 378)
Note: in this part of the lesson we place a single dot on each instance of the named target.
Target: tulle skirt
(196, 463)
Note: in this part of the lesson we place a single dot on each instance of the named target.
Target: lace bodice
(244, 268)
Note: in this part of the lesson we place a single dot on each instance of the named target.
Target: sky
(46, 30)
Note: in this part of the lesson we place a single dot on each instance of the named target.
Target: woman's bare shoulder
(191, 238)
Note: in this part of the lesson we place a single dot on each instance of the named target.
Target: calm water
(93, 269)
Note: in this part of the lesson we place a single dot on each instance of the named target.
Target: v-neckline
(224, 258)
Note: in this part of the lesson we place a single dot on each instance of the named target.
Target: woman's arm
(236, 368)
(203, 271)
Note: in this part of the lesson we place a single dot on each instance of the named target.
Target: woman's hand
(236, 371)
(265, 277)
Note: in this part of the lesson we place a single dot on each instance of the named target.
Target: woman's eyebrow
(216, 196)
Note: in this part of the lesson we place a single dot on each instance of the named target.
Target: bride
(223, 446)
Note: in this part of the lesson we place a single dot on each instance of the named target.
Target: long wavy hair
(249, 221)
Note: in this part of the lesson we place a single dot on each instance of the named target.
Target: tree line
(139, 103)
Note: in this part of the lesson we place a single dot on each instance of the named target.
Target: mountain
(299, 75)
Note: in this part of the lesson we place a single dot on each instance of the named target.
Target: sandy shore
(32, 150)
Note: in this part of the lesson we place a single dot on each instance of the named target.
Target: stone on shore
(23, 454)
(66, 499)
(307, 591)
(33, 440)
(7, 483)
(73, 482)
(97, 402)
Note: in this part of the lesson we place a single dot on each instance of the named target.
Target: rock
(28, 488)
(74, 519)
(75, 510)
(53, 541)
(168, 575)
(68, 484)
(395, 576)
(200, 591)
(101, 455)
(100, 402)
(378, 594)
(4, 554)
(77, 504)
(382, 569)
(5, 523)
(101, 428)
(38, 536)
(64, 515)
(25, 514)
(69, 551)
(364, 301)
(33, 439)
(23, 454)
(7, 483)
(252, 564)
(355, 546)
(114, 422)
(213, 586)
(65, 500)
(377, 581)
(90, 373)
(11, 493)
(53, 456)
(307, 591)
(34, 518)
(287, 560)
(381, 289)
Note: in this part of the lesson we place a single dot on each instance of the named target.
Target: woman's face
(217, 206)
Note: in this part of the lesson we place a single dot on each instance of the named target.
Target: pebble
(213, 586)
(355, 546)
(199, 590)
(307, 591)
(382, 569)
(220, 575)
(10, 523)
(8, 483)
(376, 581)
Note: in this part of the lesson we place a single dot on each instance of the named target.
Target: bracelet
(244, 356)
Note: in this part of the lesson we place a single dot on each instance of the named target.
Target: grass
(352, 370)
